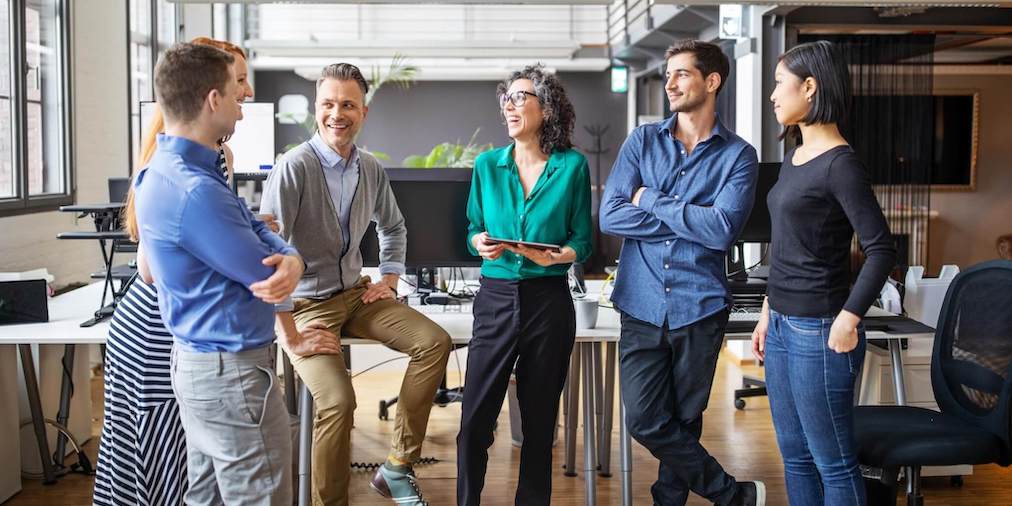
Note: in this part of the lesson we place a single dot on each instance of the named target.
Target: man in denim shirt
(679, 194)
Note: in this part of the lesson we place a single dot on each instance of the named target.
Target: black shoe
(750, 493)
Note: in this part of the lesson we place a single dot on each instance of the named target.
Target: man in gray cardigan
(323, 194)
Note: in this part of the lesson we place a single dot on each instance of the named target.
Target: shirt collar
(190, 151)
(554, 160)
(331, 158)
(665, 127)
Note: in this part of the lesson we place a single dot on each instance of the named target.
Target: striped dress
(142, 451)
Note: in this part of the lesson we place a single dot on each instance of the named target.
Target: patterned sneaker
(398, 483)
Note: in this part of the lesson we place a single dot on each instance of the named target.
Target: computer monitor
(433, 202)
(252, 142)
(759, 228)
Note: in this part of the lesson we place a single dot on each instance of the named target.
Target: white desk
(67, 311)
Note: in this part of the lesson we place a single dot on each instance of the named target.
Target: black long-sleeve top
(815, 208)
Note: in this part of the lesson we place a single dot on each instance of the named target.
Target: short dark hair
(343, 72)
(560, 117)
(822, 61)
(184, 76)
(709, 58)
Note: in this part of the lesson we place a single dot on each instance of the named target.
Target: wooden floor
(743, 441)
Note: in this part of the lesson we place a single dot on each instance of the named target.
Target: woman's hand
(843, 334)
(486, 250)
(271, 223)
(759, 334)
(542, 257)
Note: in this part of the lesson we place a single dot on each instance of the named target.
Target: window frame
(22, 202)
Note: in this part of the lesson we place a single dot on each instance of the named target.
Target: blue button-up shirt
(671, 270)
(205, 248)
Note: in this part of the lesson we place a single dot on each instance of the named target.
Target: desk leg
(598, 402)
(290, 384)
(589, 450)
(897, 364)
(573, 401)
(604, 450)
(305, 446)
(38, 419)
(66, 393)
(625, 450)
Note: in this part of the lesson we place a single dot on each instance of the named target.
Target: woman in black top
(810, 333)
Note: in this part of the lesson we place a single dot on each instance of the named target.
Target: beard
(688, 105)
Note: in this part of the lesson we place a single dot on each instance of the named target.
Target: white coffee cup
(586, 312)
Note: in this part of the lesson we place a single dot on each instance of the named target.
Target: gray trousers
(239, 448)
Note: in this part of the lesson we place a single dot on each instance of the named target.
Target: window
(34, 106)
(152, 25)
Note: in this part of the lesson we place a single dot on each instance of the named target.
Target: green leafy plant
(449, 154)
(400, 73)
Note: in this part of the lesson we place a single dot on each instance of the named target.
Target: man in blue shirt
(679, 194)
(213, 265)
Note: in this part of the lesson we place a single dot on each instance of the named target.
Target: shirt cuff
(649, 199)
(392, 268)
(287, 306)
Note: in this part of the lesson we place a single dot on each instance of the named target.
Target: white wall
(101, 135)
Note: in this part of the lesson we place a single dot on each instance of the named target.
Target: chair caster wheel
(739, 404)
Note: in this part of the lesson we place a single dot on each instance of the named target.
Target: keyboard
(745, 314)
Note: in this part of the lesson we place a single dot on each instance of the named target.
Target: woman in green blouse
(535, 190)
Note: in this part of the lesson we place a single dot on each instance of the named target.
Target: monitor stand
(425, 279)
(735, 263)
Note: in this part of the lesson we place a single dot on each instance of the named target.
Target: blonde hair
(149, 144)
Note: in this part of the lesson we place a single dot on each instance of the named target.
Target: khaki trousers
(398, 327)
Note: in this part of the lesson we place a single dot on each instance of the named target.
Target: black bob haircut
(822, 61)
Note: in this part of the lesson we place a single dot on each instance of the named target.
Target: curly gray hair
(560, 118)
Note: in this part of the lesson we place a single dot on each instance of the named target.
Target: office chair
(970, 377)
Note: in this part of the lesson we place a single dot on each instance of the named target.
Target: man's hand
(638, 195)
(486, 250)
(313, 339)
(843, 334)
(281, 284)
(385, 289)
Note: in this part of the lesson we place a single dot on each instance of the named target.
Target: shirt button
(665, 266)
(667, 289)
(683, 172)
(683, 152)
(676, 197)
(667, 242)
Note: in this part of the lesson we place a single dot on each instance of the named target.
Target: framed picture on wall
(957, 120)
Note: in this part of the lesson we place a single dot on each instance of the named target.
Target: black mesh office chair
(971, 380)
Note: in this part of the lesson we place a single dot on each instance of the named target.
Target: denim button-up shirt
(671, 269)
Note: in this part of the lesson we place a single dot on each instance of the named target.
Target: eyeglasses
(519, 98)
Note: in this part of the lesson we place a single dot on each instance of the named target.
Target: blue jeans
(811, 393)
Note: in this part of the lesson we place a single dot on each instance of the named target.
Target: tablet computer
(535, 245)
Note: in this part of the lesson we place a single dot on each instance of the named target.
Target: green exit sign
(619, 79)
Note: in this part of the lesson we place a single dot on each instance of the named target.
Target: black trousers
(531, 323)
(666, 377)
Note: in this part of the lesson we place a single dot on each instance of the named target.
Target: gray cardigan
(296, 194)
